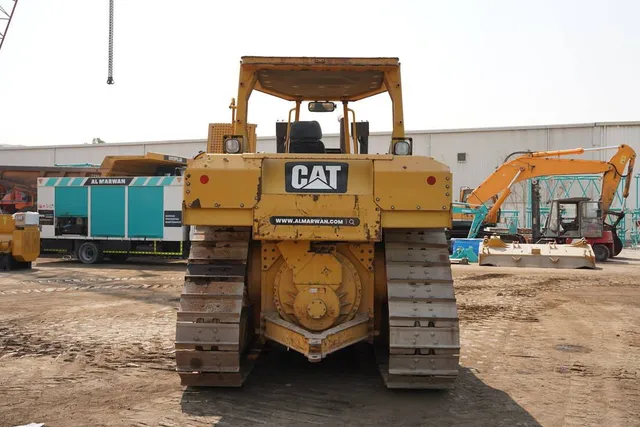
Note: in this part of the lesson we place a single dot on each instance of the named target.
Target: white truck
(115, 217)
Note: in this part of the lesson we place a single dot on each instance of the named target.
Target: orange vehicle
(495, 189)
(15, 198)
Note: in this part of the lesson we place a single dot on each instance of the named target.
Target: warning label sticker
(315, 220)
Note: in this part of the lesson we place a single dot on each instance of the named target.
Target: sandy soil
(94, 347)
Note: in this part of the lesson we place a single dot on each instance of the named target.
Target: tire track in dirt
(102, 341)
(96, 284)
(17, 342)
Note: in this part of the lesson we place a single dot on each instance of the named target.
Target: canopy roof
(320, 79)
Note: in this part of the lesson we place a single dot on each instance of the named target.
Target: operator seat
(305, 137)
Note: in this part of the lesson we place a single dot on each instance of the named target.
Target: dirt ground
(83, 346)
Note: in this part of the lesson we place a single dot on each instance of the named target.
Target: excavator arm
(611, 179)
(550, 163)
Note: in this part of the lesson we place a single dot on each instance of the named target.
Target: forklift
(577, 218)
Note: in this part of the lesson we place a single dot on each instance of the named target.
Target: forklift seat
(305, 137)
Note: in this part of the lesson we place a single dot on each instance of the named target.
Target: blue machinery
(480, 212)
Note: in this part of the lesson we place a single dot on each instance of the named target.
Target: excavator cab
(464, 193)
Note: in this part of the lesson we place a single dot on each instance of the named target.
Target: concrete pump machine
(313, 247)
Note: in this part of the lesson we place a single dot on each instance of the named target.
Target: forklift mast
(535, 211)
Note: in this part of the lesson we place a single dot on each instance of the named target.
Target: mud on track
(94, 346)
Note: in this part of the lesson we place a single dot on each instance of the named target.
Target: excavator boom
(550, 163)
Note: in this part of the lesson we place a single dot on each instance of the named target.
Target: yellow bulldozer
(19, 240)
(314, 247)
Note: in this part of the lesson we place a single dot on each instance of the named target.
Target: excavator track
(423, 330)
(214, 328)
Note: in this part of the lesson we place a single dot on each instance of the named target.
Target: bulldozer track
(213, 327)
(423, 337)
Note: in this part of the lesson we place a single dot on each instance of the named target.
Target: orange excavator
(490, 195)
(15, 198)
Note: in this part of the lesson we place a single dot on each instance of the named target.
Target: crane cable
(110, 72)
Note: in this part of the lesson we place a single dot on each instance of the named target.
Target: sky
(465, 63)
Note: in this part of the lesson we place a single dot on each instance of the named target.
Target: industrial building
(472, 154)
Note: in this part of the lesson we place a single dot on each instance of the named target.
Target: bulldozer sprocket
(214, 328)
(423, 330)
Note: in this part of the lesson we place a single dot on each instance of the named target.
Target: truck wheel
(601, 252)
(89, 253)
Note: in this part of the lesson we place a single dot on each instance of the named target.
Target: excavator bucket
(493, 251)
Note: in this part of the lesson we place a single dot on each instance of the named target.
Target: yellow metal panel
(272, 261)
(360, 175)
(394, 86)
(343, 338)
(416, 219)
(462, 216)
(143, 165)
(316, 345)
(310, 268)
(287, 337)
(7, 224)
(359, 255)
(268, 279)
(405, 184)
(222, 217)
(270, 254)
(231, 182)
(26, 244)
(317, 205)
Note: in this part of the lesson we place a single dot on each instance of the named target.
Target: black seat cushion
(305, 137)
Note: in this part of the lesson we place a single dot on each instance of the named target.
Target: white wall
(94, 153)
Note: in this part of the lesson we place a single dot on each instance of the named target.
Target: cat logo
(316, 177)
